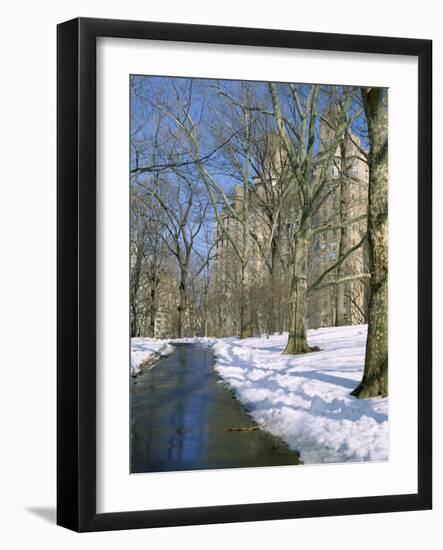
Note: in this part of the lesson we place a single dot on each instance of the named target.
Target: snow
(305, 399)
(201, 340)
(147, 351)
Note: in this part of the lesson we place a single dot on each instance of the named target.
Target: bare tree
(375, 376)
(137, 256)
(148, 262)
(235, 129)
(271, 203)
(299, 138)
(184, 216)
(248, 155)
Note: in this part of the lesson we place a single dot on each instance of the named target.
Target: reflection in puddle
(184, 418)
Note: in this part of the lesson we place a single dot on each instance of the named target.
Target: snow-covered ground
(306, 399)
(201, 340)
(147, 351)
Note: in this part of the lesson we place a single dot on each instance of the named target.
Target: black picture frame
(76, 278)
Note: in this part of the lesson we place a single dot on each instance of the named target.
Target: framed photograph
(244, 274)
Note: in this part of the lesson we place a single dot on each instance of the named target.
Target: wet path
(182, 418)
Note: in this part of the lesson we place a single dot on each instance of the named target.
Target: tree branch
(342, 280)
(315, 285)
(338, 225)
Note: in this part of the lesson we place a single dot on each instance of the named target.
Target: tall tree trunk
(205, 310)
(245, 318)
(339, 304)
(134, 320)
(342, 244)
(135, 283)
(153, 307)
(181, 309)
(273, 315)
(245, 313)
(375, 376)
(297, 340)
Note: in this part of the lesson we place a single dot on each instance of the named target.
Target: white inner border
(116, 489)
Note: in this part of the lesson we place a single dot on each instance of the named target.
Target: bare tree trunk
(375, 376)
(273, 310)
(339, 304)
(134, 324)
(181, 309)
(297, 340)
(153, 309)
(205, 310)
(135, 283)
(342, 244)
(272, 314)
(245, 317)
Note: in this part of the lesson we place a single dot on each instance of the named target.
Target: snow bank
(147, 351)
(201, 340)
(305, 399)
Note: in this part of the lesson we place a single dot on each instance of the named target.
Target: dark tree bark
(135, 284)
(297, 339)
(375, 376)
(153, 307)
(182, 303)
